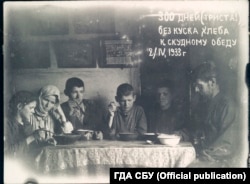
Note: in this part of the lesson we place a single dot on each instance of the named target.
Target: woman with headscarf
(49, 115)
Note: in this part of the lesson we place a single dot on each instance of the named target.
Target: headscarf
(48, 90)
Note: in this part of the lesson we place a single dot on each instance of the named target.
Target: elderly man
(217, 145)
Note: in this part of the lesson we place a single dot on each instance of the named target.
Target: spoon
(43, 129)
(149, 142)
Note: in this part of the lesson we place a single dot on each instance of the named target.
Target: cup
(87, 136)
(98, 135)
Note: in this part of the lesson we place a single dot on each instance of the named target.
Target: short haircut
(71, 83)
(124, 89)
(205, 72)
(165, 84)
(21, 97)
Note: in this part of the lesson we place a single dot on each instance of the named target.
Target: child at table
(82, 113)
(127, 117)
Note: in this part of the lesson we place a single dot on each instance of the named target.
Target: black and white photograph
(94, 85)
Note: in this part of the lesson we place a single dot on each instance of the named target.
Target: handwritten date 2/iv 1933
(164, 52)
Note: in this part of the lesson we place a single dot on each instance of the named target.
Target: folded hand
(112, 108)
(67, 127)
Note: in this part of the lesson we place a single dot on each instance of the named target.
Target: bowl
(85, 134)
(128, 136)
(149, 136)
(66, 138)
(169, 139)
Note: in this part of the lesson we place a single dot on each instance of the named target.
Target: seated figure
(218, 136)
(49, 116)
(165, 116)
(17, 135)
(127, 117)
(82, 113)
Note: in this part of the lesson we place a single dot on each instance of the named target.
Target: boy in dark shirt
(82, 113)
(166, 116)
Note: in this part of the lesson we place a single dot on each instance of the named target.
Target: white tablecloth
(89, 157)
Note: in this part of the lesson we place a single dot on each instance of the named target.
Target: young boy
(127, 117)
(166, 116)
(82, 113)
